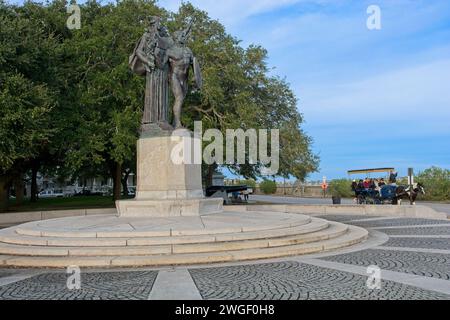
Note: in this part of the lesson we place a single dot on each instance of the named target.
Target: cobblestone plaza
(413, 255)
(227, 159)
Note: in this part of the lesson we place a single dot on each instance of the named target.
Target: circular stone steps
(13, 237)
(332, 231)
(34, 229)
(113, 241)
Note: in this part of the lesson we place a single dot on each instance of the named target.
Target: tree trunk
(34, 186)
(4, 181)
(117, 179)
(19, 188)
(125, 183)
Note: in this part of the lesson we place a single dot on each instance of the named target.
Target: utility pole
(411, 183)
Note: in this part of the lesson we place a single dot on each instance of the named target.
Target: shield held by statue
(197, 73)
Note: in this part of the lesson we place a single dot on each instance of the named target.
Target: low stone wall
(416, 211)
(306, 191)
(21, 217)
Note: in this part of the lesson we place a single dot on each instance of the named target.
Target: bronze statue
(180, 60)
(163, 60)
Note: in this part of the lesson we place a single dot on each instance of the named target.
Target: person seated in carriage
(366, 183)
(372, 190)
(357, 188)
(354, 185)
(360, 186)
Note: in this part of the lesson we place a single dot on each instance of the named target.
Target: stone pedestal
(169, 183)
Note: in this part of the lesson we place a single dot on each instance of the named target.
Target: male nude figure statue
(181, 59)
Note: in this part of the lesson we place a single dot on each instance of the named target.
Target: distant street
(442, 207)
(296, 200)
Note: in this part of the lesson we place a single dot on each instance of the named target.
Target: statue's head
(180, 37)
(153, 20)
(154, 25)
(163, 32)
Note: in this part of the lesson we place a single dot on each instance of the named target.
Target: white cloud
(419, 92)
(335, 28)
(231, 12)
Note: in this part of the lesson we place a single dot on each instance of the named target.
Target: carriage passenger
(366, 183)
(360, 185)
(355, 187)
(373, 188)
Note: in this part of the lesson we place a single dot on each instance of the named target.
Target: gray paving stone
(422, 243)
(4, 274)
(424, 264)
(397, 222)
(280, 280)
(345, 217)
(417, 231)
(296, 281)
(135, 285)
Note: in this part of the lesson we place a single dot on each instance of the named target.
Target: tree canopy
(68, 99)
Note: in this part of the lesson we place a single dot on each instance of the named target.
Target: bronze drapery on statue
(149, 59)
(156, 97)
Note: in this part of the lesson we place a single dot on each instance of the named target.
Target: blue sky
(370, 98)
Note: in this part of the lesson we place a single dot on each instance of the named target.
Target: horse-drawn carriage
(388, 193)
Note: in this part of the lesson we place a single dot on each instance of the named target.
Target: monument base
(168, 208)
(166, 186)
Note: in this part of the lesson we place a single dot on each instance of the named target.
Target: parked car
(87, 192)
(51, 194)
(69, 193)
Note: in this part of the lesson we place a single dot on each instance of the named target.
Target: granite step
(36, 230)
(352, 236)
(10, 236)
(334, 230)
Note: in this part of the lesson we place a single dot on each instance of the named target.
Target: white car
(51, 194)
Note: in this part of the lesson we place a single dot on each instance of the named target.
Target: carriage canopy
(360, 171)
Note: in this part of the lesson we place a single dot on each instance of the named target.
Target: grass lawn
(81, 202)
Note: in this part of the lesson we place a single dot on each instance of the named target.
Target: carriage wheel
(360, 199)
